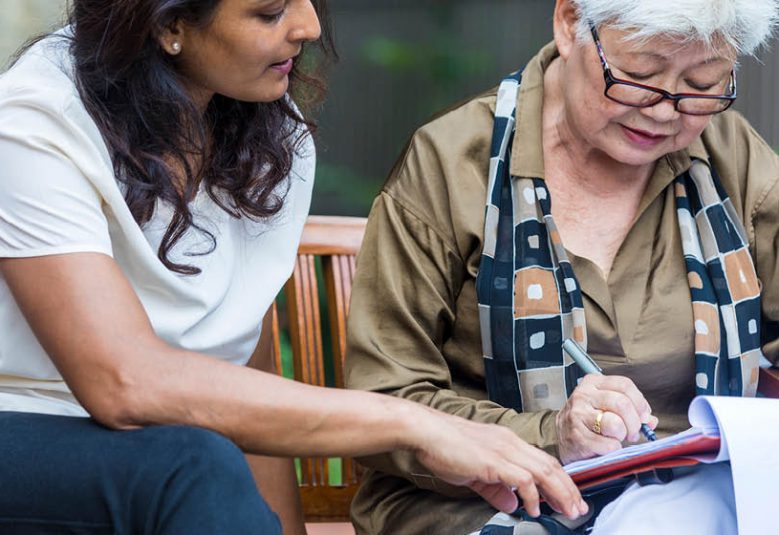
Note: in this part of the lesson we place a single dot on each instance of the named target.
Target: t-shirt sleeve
(47, 205)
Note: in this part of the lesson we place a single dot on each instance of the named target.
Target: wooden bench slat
(335, 241)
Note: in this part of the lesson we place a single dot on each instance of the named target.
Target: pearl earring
(176, 47)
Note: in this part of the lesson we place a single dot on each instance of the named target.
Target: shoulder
(439, 183)
(740, 154)
(730, 135)
(42, 82)
(462, 130)
(445, 164)
(40, 107)
(747, 166)
(42, 77)
(463, 122)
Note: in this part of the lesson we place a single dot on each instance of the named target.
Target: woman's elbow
(114, 402)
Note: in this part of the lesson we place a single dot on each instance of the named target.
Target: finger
(612, 426)
(622, 406)
(556, 486)
(525, 487)
(627, 387)
(562, 495)
(600, 445)
(498, 495)
(653, 421)
(574, 509)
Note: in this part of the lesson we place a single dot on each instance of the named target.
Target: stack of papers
(689, 447)
(744, 431)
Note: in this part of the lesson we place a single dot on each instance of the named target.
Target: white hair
(744, 24)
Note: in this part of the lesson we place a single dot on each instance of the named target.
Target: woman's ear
(171, 38)
(565, 22)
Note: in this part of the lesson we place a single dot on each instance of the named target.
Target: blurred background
(403, 60)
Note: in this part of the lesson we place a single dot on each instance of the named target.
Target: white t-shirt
(59, 194)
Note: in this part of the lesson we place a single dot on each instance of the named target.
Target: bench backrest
(326, 255)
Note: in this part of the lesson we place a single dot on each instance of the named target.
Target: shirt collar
(527, 155)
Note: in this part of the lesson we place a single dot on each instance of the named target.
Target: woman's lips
(643, 138)
(284, 67)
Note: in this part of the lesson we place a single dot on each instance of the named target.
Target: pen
(588, 365)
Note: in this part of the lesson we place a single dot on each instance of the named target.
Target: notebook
(701, 443)
(743, 431)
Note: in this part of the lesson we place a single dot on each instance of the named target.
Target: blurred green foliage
(443, 63)
(342, 191)
(437, 63)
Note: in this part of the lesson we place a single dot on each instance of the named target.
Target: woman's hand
(496, 464)
(623, 409)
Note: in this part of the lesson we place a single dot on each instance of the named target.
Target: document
(700, 443)
(744, 431)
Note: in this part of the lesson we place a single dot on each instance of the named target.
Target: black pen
(588, 365)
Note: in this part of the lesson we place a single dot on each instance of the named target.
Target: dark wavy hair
(132, 90)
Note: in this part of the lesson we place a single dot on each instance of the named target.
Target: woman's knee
(201, 453)
(205, 474)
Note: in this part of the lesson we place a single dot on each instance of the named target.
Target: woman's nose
(306, 26)
(662, 112)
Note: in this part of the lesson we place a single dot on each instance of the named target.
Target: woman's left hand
(602, 412)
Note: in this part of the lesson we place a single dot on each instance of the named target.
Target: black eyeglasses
(644, 96)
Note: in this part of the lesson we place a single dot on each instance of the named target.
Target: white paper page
(700, 413)
(750, 428)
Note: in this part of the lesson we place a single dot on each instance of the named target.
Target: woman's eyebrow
(664, 59)
(646, 55)
(715, 59)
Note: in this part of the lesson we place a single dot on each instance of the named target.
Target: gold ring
(598, 418)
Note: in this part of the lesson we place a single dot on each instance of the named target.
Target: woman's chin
(264, 93)
(636, 157)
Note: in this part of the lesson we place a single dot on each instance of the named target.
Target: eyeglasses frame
(676, 98)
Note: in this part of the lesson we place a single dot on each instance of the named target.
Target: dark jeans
(70, 475)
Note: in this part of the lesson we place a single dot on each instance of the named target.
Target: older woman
(624, 210)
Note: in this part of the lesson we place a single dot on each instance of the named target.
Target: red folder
(688, 452)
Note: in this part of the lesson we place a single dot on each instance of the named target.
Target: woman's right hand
(496, 464)
(617, 406)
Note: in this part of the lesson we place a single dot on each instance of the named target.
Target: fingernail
(583, 507)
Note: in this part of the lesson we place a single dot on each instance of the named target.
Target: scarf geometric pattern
(530, 300)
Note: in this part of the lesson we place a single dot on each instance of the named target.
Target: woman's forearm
(267, 414)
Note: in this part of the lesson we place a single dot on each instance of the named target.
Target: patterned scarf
(530, 300)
